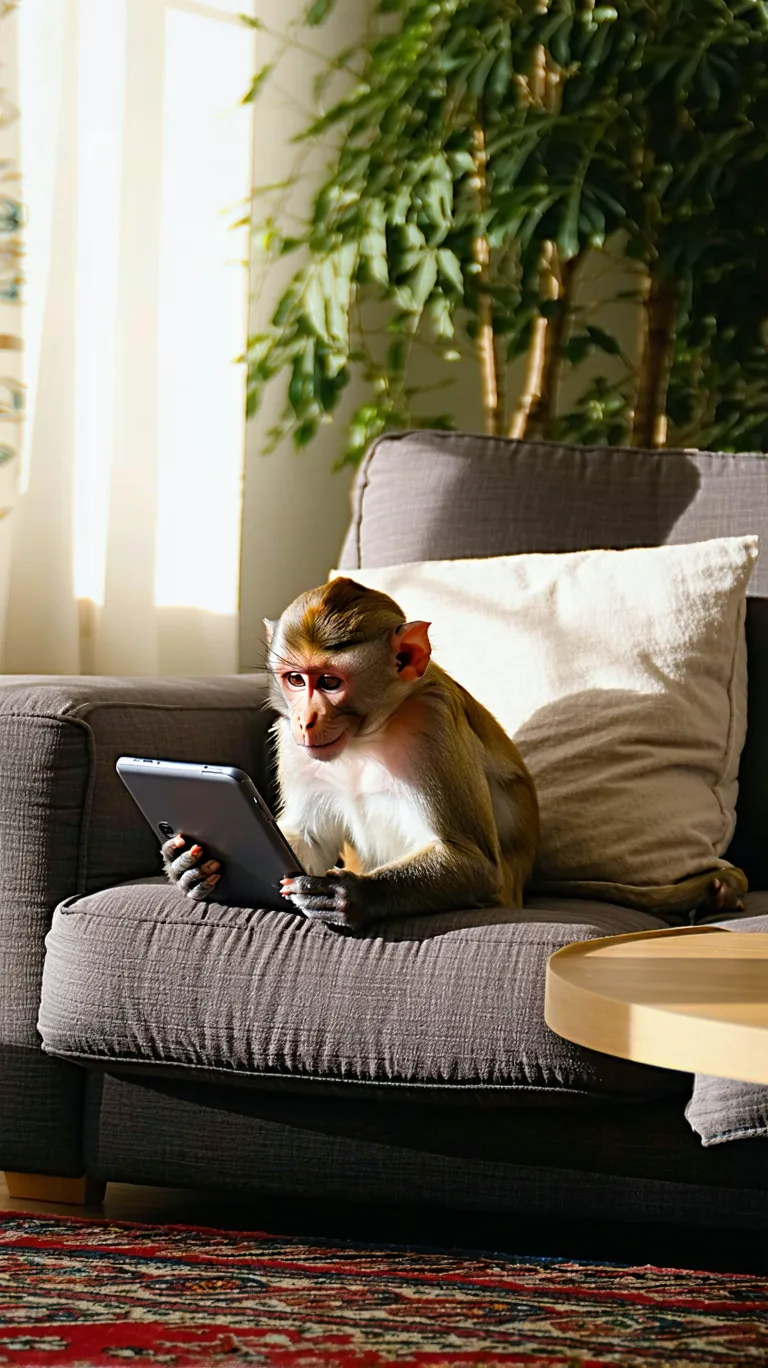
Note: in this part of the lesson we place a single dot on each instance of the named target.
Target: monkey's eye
(329, 683)
(295, 681)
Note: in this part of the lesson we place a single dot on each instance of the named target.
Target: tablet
(219, 807)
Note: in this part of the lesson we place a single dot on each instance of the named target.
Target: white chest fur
(380, 813)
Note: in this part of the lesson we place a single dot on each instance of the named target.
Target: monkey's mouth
(326, 750)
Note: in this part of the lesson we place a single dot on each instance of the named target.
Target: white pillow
(621, 675)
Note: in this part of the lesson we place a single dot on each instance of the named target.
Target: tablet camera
(166, 829)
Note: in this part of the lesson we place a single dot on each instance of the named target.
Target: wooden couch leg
(46, 1187)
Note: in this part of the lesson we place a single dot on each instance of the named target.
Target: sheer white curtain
(11, 217)
(136, 158)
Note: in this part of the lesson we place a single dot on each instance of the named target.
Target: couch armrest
(67, 824)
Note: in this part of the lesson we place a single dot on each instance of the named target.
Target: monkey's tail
(718, 889)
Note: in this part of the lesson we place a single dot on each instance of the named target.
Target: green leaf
(441, 317)
(396, 357)
(257, 83)
(568, 242)
(305, 432)
(422, 280)
(450, 269)
(318, 11)
(604, 340)
(314, 305)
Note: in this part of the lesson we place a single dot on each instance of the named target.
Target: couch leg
(46, 1187)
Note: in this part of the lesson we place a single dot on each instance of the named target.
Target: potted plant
(488, 153)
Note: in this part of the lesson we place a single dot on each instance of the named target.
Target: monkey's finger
(318, 903)
(170, 850)
(191, 879)
(201, 890)
(306, 884)
(186, 861)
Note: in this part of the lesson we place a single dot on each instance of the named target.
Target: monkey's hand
(334, 897)
(189, 870)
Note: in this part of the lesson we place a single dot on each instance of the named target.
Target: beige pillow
(621, 675)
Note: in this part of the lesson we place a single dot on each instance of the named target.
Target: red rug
(90, 1294)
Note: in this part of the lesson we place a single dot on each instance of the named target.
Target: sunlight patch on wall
(202, 312)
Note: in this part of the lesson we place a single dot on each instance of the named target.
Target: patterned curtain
(135, 154)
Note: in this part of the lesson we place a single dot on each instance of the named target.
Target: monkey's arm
(442, 876)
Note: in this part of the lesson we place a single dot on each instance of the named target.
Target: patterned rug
(91, 1294)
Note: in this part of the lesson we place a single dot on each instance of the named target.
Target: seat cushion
(445, 1006)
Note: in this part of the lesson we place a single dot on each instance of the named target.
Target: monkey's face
(342, 659)
(319, 696)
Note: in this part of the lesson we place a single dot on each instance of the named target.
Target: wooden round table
(694, 999)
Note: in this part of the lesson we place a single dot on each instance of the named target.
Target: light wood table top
(694, 999)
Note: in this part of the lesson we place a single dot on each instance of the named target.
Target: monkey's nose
(310, 722)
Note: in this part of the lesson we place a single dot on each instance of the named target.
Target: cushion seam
(427, 1084)
(585, 453)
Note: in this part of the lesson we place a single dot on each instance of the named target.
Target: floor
(730, 1251)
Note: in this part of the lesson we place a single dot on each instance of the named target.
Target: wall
(295, 507)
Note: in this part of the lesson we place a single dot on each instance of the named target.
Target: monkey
(380, 751)
(383, 755)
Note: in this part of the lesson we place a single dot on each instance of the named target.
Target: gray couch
(191, 1045)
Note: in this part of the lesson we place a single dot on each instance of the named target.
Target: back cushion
(434, 496)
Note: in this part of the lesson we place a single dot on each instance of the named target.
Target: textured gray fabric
(724, 1109)
(451, 1002)
(41, 1112)
(68, 824)
(632, 1161)
(431, 496)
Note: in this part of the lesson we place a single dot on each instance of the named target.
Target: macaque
(386, 758)
(383, 755)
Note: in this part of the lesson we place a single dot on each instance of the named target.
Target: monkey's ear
(269, 627)
(412, 649)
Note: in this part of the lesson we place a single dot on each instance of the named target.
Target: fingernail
(177, 841)
(196, 850)
(210, 867)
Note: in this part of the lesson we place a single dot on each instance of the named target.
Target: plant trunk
(537, 404)
(539, 348)
(491, 375)
(649, 428)
(544, 408)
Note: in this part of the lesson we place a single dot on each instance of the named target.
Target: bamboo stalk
(658, 317)
(493, 401)
(537, 347)
(537, 404)
(544, 408)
